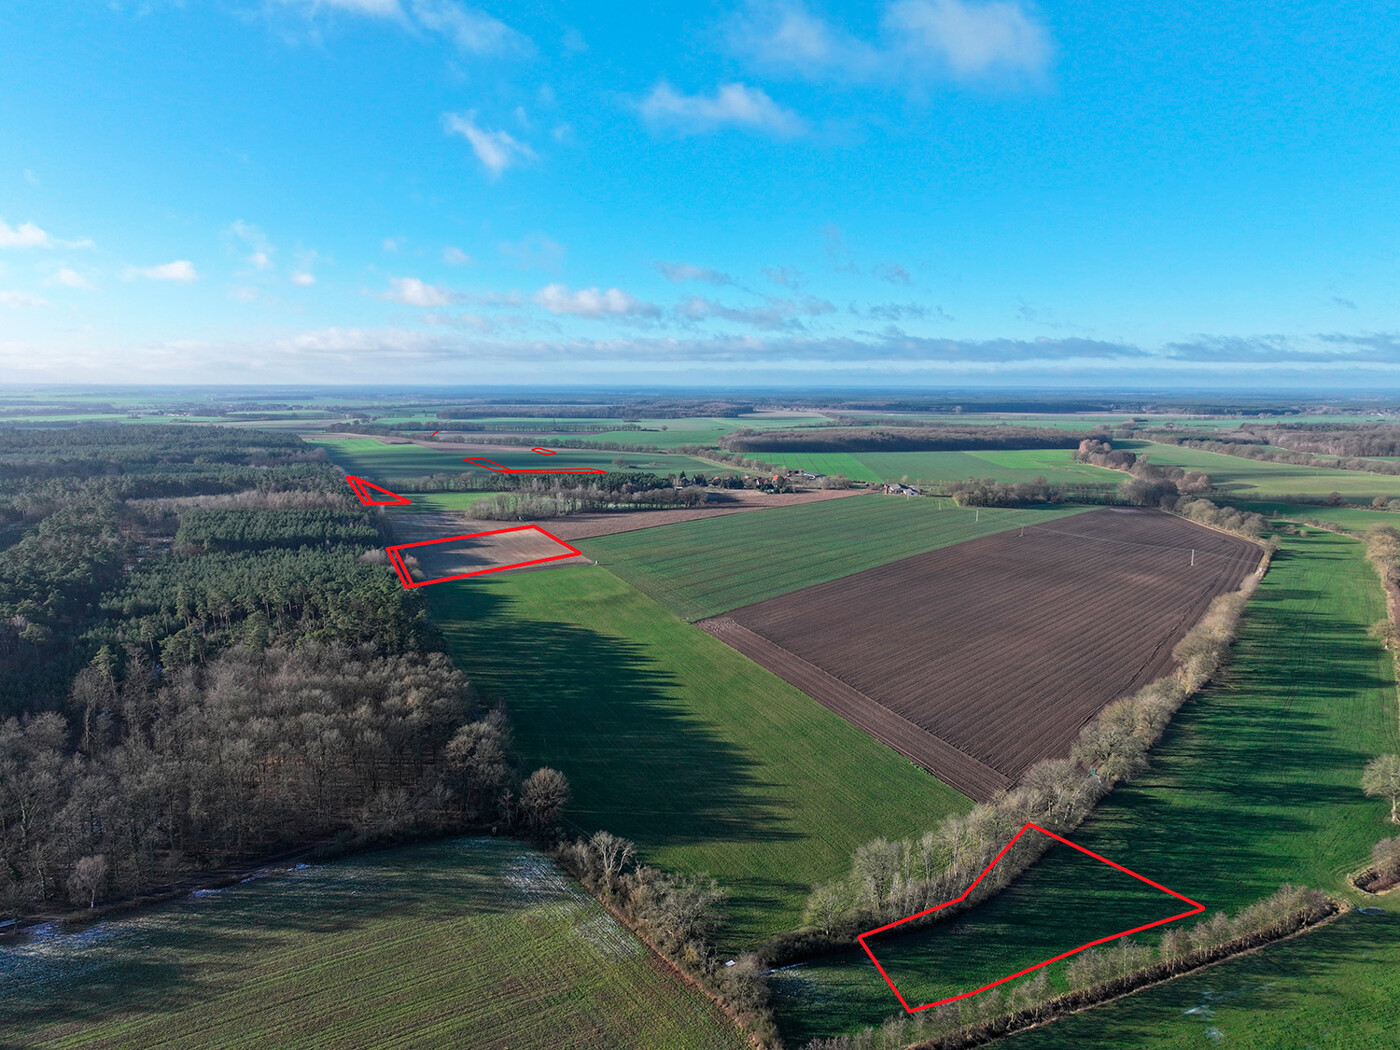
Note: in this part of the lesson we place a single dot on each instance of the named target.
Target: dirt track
(1003, 647)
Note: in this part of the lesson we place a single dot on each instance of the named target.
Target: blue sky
(920, 192)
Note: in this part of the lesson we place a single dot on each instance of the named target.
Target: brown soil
(1004, 647)
(459, 556)
(971, 777)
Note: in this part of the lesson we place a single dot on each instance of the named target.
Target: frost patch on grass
(608, 938)
(540, 883)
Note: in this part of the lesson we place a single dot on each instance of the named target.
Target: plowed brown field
(1003, 647)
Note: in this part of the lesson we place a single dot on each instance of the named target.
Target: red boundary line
(362, 487)
(545, 451)
(1196, 910)
(396, 556)
(492, 465)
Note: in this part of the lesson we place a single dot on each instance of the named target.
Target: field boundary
(929, 752)
(395, 554)
(1196, 909)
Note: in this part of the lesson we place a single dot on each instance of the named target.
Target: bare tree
(543, 795)
(88, 878)
(1381, 779)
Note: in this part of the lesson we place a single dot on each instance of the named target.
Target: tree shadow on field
(1280, 977)
(605, 712)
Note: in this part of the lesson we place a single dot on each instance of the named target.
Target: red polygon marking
(362, 487)
(492, 465)
(1195, 910)
(545, 451)
(396, 555)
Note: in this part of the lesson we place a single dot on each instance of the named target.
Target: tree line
(217, 671)
(891, 879)
(947, 438)
(1093, 976)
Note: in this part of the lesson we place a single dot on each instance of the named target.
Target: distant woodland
(198, 664)
(942, 438)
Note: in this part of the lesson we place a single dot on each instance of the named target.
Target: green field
(706, 567)
(438, 501)
(1253, 785)
(672, 739)
(1337, 987)
(465, 942)
(1354, 519)
(372, 459)
(1252, 479)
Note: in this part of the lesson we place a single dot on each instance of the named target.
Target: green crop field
(1254, 784)
(1336, 987)
(706, 567)
(1251, 479)
(672, 739)
(1354, 519)
(831, 463)
(466, 942)
(372, 459)
(438, 501)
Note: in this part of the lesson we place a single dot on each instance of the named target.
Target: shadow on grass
(607, 714)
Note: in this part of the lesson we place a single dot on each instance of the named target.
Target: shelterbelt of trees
(941, 438)
(197, 665)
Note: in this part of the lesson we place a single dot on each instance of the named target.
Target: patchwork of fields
(1250, 479)
(1253, 785)
(381, 462)
(672, 739)
(703, 568)
(1071, 614)
(466, 942)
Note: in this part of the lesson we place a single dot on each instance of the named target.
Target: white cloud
(304, 278)
(497, 150)
(784, 35)
(410, 291)
(262, 248)
(473, 32)
(26, 235)
(732, 106)
(680, 272)
(392, 244)
(534, 250)
(593, 302)
(456, 257)
(69, 278)
(181, 271)
(972, 38)
(892, 272)
(378, 8)
(19, 299)
(918, 40)
(243, 294)
(774, 315)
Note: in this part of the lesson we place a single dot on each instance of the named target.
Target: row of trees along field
(890, 879)
(1299, 448)
(941, 438)
(1093, 976)
(199, 665)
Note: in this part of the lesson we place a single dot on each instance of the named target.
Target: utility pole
(1193, 555)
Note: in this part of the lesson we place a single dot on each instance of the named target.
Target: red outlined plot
(494, 467)
(362, 487)
(1196, 909)
(396, 555)
(545, 451)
